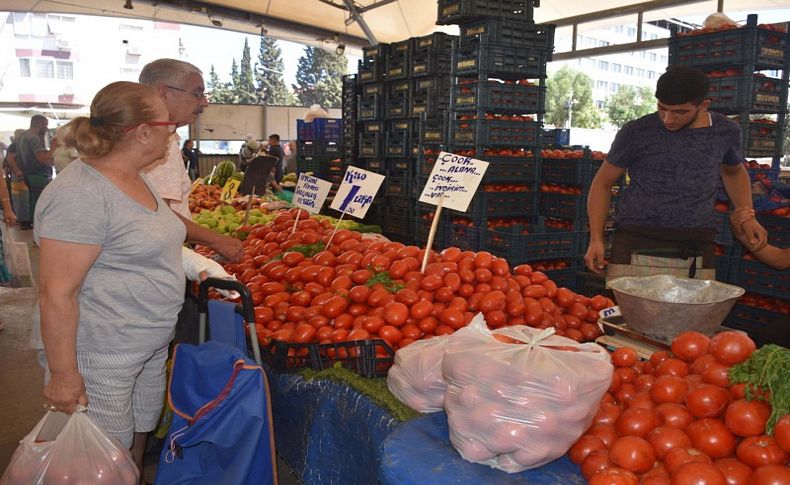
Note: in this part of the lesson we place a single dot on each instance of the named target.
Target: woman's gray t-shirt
(131, 296)
(674, 176)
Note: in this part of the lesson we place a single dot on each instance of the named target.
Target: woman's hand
(65, 390)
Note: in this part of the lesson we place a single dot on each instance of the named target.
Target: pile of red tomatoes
(676, 419)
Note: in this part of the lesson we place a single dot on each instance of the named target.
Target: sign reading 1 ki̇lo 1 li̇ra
(357, 192)
(454, 180)
(310, 193)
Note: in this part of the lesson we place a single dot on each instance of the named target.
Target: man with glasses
(675, 158)
(180, 85)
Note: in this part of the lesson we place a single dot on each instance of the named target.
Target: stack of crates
(318, 142)
(348, 139)
(749, 68)
(403, 101)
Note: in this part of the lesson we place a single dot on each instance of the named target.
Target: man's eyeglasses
(197, 96)
(171, 125)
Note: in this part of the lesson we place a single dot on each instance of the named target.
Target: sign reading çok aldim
(455, 178)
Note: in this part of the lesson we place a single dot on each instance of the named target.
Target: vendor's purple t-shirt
(673, 175)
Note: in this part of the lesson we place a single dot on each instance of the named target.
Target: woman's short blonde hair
(115, 107)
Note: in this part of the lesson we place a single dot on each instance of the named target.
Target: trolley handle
(247, 306)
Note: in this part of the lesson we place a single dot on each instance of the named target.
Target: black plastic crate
(398, 60)
(376, 52)
(761, 139)
(763, 326)
(370, 145)
(399, 138)
(569, 171)
(767, 49)
(591, 284)
(370, 72)
(499, 96)
(431, 106)
(399, 204)
(368, 358)
(398, 86)
(370, 107)
(504, 61)
(566, 277)
(376, 165)
(431, 63)
(563, 206)
(314, 164)
(397, 105)
(401, 167)
(460, 236)
(778, 230)
(557, 137)
(751, 92)
(431, 86)
(495, 132)
(399, 186)
(496, 203)
(431, 132)
(398, 223)
(373, 88)
(461, 11)
(349, 84)
(520, 244)
(512, 170)
(496, 30)
(759, 278)
(372, 127)
(285, 356)
(435, 43)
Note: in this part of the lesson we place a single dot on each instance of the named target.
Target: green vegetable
(768, 368)
(385, 279)
(309, 250)
(374, 388)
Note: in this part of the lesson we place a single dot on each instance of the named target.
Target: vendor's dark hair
(115, 107)
(681, 85)
(275, 137)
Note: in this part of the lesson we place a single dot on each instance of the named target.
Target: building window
(45, 69)
(39, 25)
(663, 59)
(132, 28)
(628, 70)
(630, 31)
(603, 65)
(65, 70)
(619, 29)
(640, 72)
(602, 43)
(617, 67)
(601, 84)
(599, 104)
(24, 67)
(651, 74)
(614, 87)
(653, 57)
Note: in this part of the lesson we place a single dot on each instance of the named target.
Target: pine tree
(233, 83)
(318, 77)
(245, 87)
(218, 89)
(270, 87)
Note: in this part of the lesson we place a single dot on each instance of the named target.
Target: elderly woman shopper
(111, 278)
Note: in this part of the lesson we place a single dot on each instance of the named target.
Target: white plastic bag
(315, 111)
(16, 255)
(65, 449)
(416, 377)
(519, 397)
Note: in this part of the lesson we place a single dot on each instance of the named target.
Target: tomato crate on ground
(497, 30)
(285, 356)
(524, 243)
(370, 145)
(759, 278)
(566, 277)
(563, 206)
(396, 105)
(368, 358)
(370, 107)
(461, 11)
(319, 129)
(460, 236)
(767, 49)
(499, 96)
(432, 106)
(495, 132)
(569, 171)
(398, 60)
(502, 204)
(511, 170)
(557, 137)
(500, 61)
(763, 326)
(760, 139)
(752, 92)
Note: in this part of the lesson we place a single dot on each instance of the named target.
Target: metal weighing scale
(617, 335)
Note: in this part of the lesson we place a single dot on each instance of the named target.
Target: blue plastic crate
(461, 236)
(511, 170)
(498, 96)
(566, 277)
(319, 129)
(563, 206)
(503, 61)
(502, 204)
(557, 137)
(763, 326)
(495, 132)
(537, 244)
(778, 230)
(760, 139)
(461, 11)
(759, 278)
(569, 171)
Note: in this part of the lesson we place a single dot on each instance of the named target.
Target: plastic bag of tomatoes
(519, 397)
(416, 378)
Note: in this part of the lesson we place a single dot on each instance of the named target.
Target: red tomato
(782, 432)
(677, 457)
(396, 313)
(391, 334)
(636, 422)
(624, 356)
(717, 374)
(669, 388)
(614, 476)
(757, 451)
(607, 414)
(707, 401)
(494, 300)
(747, 418)
(632, 453)
(596, 461)
(303, 333)
(674, 415)
(712, 437)
(358, 334)
(690, 345)
(584, 446)
(698, 473)
(771, 475)
(735, 472)
(664, 438)
(452, 318)
(672, 366)
(334, 306)
(731, 347)
(359, 294)
(604, 432)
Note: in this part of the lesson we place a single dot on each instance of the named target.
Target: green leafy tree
(234, 81)
(219, 90)
(574, 87)
(270, 87)
(244, 88)
(630, 103)
(318, 77)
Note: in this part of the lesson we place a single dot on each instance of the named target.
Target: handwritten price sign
(357, 192)
(455, 179)
(310, 193)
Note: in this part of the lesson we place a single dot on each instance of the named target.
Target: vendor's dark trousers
(35, 185)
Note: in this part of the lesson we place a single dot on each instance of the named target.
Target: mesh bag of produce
(416, 377)
(520, 397)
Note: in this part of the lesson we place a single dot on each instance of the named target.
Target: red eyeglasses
(171, 125)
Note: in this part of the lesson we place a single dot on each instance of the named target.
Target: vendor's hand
(755, 235)
(594, 258)
(8, 216)
(65, 390)
(230, 248)
(737, 218)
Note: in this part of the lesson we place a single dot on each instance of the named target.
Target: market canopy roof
(346, 21)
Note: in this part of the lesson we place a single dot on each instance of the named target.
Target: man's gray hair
(168, 72)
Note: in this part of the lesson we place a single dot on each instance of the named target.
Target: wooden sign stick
(432, 234)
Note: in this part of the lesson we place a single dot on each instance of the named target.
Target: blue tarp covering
(419, 453)
(326, 431)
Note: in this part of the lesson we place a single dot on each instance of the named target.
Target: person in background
(275, 150)
(111, 279)
(35, 160)
(9, 218)
(674, 158)
(180, 86)
(290, 158)
(63, 154)
(20, 197)
(773, 256)
(190, 155)
(248, 151)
